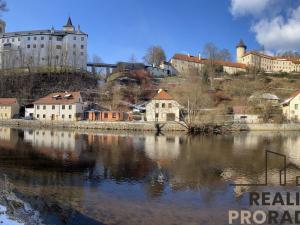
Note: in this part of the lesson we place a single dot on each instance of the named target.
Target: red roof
(8, 101)
(205, 61)
(162, 95)
(59, 98)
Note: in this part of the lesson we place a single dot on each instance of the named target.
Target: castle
(265, 62)
(43, 48)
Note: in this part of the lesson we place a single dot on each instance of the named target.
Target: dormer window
(56, 96)
(68, 96)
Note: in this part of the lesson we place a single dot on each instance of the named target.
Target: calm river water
(86, 177)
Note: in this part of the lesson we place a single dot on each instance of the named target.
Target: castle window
(81, 53)
(74, 38)
(74, 45)
(28, 38)
(34, 46)
(59, 39)
(13, 40)
(42, 38)
(82, 46)
(34, 38)
(42, 45)
(50, 38)
(19, 39)
(82, 38)
(58, 46)
(28, 46)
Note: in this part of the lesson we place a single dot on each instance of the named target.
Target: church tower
(69, 26)
(2, 26)
(240, 51)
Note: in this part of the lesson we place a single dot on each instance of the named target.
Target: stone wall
(134, 126)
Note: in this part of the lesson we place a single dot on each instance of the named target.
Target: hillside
(32, 86)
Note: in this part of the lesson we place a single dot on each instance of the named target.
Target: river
(89, 177)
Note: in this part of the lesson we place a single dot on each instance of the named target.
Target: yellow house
(9, 107)
(291, 107)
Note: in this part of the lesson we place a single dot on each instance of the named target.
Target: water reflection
(122, 173)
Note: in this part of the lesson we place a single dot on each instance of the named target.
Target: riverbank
(266, 127)
(126, 126)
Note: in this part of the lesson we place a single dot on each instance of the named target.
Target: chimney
(160, 90)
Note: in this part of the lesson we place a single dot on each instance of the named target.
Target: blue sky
(119, 28)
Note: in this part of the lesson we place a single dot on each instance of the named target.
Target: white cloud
(278, 33)
(245, 7)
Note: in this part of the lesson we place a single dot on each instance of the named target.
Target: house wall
(246, 118)
(292, 111)
(69, 112)
(112, 116)
(152, 110)
(8, 112)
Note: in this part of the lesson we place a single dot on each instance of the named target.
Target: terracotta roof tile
(162, 95)
(8, 101)
(59, 98)
(205, 61)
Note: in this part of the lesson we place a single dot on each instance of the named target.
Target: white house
(63, 106)
(43, 48)
(291, 107)
(162, 108)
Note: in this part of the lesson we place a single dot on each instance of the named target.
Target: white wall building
(162, 108)
(43, 48)
(62, 106)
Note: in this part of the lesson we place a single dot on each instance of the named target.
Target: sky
(118, 29)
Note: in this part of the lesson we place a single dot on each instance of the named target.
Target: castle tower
(2, 26)
(69, 26)
(240, 51)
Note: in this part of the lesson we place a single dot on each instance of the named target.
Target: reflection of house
(96, 115)
(8, 137)
(290, 107)
(63, 106)
(162, 148)
(9, 108)
(241, 114)
(162, 107)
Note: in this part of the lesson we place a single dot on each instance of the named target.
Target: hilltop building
(184, 63)
(43, 48)
(265, 62)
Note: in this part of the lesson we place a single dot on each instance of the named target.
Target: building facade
(265, 62)
(43, 48)
(291, 107)
(9, 108)
(185, 63)
(162, 108)
(63, 106)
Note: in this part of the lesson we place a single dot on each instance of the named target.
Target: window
(63, 116)
(34, 46)
(296, 106)
(74, 53)
(58, 46)
(70, 106)
(114, 115)
(42, 38)
(59, 38)
(38, 116)
(44, 107)
(53, 107)
(82, 46)
(163, 105)
(13, 40)
(44, 116)
(63, 107)
(70, 116)
(28, 38)
(50, 38)
(19, 39)
(74, 38)
(156, 115)
(170, 105)
(38, 107)
(81, 53)
(34, 38)
(82, 38)
(28, 46)
(42, 45)
(156, 105)
(105, 115)
(74, 45)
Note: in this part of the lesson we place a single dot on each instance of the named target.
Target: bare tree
(155, 55)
